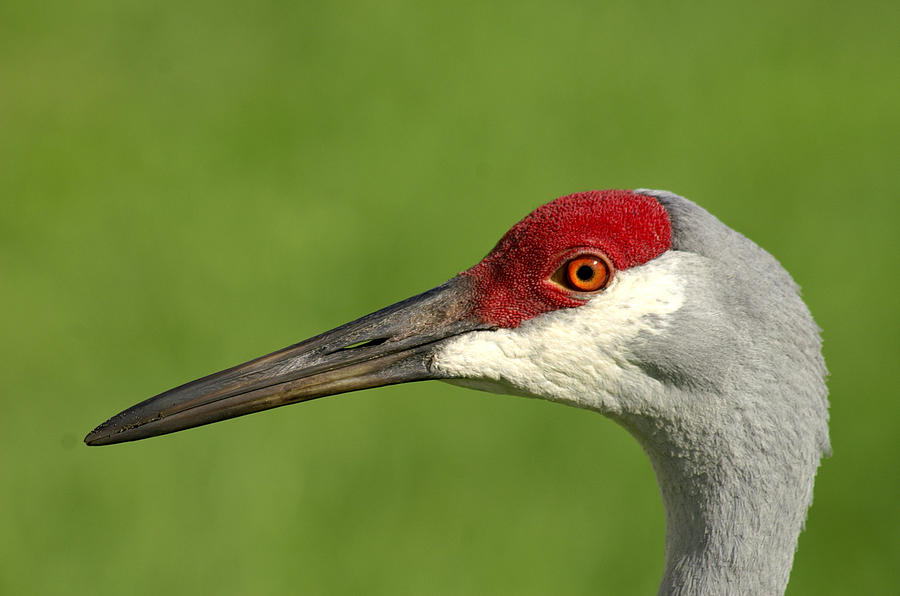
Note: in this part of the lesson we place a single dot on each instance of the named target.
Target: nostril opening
(364, 344)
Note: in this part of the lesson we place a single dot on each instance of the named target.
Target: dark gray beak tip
(115, 430)
(95, 437)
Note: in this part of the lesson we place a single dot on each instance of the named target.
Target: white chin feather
(578, 356)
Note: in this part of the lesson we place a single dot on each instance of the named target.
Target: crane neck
(735, 502)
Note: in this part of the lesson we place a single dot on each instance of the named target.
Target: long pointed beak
(392, 345)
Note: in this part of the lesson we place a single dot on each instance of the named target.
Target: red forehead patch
(512, 282)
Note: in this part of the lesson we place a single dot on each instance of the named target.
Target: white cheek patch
(580, 355)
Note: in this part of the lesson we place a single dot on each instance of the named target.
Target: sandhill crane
(639, 305)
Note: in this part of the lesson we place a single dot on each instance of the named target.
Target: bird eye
(584, 273)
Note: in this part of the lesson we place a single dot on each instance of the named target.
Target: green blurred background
(186, 185)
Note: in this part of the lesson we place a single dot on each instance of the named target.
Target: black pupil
(585, 272)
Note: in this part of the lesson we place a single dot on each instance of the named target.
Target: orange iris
(587, 273)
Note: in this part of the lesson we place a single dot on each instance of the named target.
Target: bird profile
(639, 305)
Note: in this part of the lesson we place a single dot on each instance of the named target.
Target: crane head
(576, 304)
(637, 304)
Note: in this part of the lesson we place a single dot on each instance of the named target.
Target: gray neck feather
(737, 423)
(734, 503)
